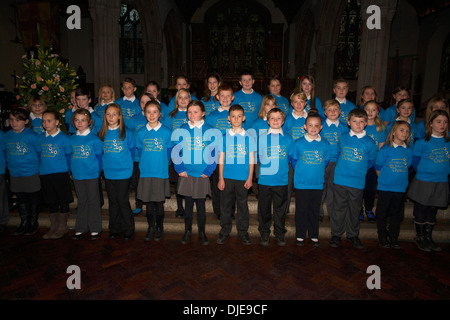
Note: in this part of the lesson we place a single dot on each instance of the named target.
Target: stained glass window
(131, 49)
(237, 38)
(346, 59)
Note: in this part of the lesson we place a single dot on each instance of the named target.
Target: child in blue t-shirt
(261, 125)
(340, 89)
(55, 153)
(399, 94)
(86, 166)
(212, 83)
(181, 82)
(357, 153)
(377, 131)
(435, 103)
(195, 159)
(308, 87)
(154, 89)
(83, 99)
(275, 90)
(118, 159)
(429, 188)
(236, 164)
(274, 150)
(404, 110)
(153, 142)
(129, 103)
(23, 165)
(4, 206)
(248, 99)
(310, 156)
(36, 106)
(106, 96)
(392, 164)
(332, 130)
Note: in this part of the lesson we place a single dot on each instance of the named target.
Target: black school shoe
(335, 241)
(246, 239)
(356, 242)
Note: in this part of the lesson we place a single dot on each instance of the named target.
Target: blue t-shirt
(294, 125)
(309, 159)
(135, 124)
(393, 164)
(54, 153)
(154, 147)
(175, 122)
(356, 156)
(21, 152)
(274, 151)
(433, 158)
(332, 134)
(171, 105)
(219, 119)
(210, 105)
(100, 109)
(196, 149)
(390, 113)
(129, 108)
(237, 148)
(282, 103)
(251, 102)
(319, 106)
(378, 137)
(36, 124)
(86, 156)
(96, 127)
(2, 154)
(261, 126)
(345, 110)
(420, 130)
(118, 154)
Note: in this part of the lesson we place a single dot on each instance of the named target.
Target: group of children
(335, 153)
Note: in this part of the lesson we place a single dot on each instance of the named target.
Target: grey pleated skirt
(197, 188)
(25, 184)
(429, 193)
(153, 189)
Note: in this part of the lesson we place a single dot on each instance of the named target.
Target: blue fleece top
(210, 105)
(176, 122)
(219, 119)
(294, 127)
(332, 134)
(154, 147)
(274, 154)
(36, 124)
(129, 109)
(282, 103)
(55, 153)
(196, 149)
(251, 102)
(86, 162)
(431, 159)
(393, 163)
(118, 154)
(135, 124)
(356, 156)
(21, 152)
(309, 160)
(346, 107)
(378, 137)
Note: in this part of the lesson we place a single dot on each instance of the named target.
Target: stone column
(374, 50)
(105, 15)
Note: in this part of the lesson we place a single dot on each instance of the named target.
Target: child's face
(439, 105)
(153, 90)
(49, 123)
(128, 89)
(213, 85)
(357, 124)
(275, 120)
(439, 125)
(340, 90)
(298, 104)
(81, 122)
(313, 127)
(275, 87)
(143, 101)
(236, 118)
(16, 124)
(112, 116)
(247, 82)
(182, 84)
(269, 106)
(306, 86)
(183, 100)
(73, 99)
(152, 114)
(225, 98)
(372, 111)
(405, 110)
(83, 102)
(107, 94)
(402, 94)
(37, 107)
(401, 134)
(368, 95)
(333, 112)
(195, 113)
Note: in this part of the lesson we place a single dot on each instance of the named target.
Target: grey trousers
(4, 206)
(89, 212)
(328, 190)
(347, 206)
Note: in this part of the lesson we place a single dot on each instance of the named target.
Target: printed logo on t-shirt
(81, 152)
(114, 146)
(352, 154)
(49, 150)
(154, 144)
(399, 165)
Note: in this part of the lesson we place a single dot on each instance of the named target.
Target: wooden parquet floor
(111, 269)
